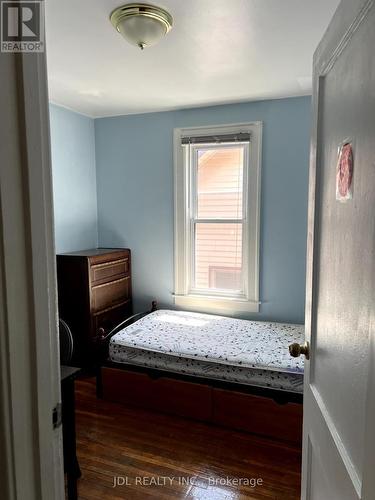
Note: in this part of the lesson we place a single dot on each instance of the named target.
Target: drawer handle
(99, 336)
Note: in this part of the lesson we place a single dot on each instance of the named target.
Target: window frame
(209, 301)
(194, 219)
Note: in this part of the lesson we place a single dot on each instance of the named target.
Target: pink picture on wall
(344, 173)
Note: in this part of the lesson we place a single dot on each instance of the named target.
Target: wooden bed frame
(268, 412)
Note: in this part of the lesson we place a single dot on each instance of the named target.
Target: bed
(227, 371)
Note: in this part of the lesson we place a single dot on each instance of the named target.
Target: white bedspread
(234, 342)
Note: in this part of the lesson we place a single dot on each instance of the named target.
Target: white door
(30, 444)
(339, 419)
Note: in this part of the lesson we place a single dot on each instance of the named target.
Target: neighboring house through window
(217, 199)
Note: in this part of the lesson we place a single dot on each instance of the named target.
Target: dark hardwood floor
(166, 457)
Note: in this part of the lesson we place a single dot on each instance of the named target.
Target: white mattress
(246, 352)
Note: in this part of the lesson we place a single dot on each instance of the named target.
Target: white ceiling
(219, 51)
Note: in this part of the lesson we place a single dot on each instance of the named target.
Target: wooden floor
(164, 457)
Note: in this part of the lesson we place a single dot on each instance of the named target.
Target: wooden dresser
(95, 294)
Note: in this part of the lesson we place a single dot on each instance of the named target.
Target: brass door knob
(297, 349)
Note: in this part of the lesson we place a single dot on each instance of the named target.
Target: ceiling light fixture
(141, 24)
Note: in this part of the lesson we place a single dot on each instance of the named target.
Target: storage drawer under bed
(238, 410)
(162, 394)
(258, 414)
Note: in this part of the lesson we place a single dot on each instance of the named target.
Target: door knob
(297, 349)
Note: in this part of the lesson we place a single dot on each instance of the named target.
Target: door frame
(347, 19)
(32, 466)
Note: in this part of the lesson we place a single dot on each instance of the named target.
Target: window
(217, 218)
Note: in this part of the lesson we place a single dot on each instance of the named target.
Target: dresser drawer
(111, 293)
(105, 321)
(109, 271)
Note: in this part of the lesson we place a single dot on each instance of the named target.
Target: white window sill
(216, 304)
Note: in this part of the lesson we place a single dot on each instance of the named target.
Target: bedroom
(197, 255)
(116, 185)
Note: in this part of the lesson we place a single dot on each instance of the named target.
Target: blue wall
(135, 197)
(74, 180)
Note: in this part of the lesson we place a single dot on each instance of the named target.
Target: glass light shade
(142, 31)
(141, 24)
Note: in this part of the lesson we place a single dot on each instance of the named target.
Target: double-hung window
(217, 194)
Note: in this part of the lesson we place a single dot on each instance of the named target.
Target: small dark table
(71, 466)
